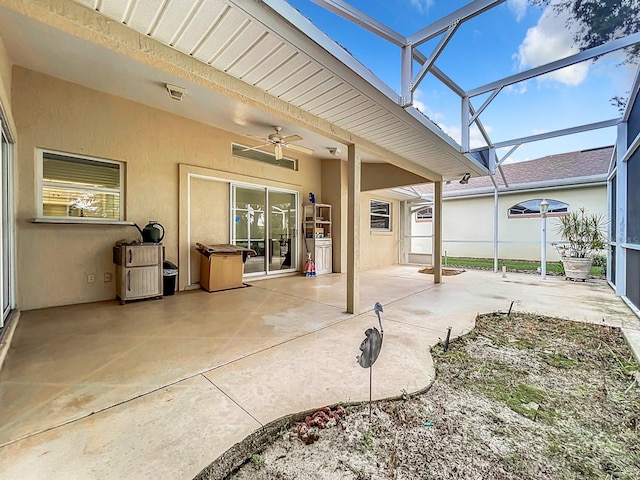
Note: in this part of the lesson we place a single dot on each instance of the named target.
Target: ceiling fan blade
(278, 151)
(300, 149)
(292, 138)
(255, 148)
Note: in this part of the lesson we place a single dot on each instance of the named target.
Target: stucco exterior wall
(468, 224)
(378, 249)
(6, 66)
(53, 261)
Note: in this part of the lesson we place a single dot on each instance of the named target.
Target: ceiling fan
(281, 141)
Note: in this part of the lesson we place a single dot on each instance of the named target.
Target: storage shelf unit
(138, 271)
(317, 233)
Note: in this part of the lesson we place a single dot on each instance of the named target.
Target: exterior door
(6, 225)
(264, 219)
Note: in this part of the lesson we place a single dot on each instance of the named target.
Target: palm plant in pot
(583, 237)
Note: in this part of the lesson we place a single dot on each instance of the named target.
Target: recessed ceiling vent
(175, 92)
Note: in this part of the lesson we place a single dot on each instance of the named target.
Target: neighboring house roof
(585, 167)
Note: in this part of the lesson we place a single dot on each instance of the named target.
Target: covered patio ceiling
(245, 66)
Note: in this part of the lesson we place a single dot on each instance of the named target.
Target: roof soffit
(416, 152)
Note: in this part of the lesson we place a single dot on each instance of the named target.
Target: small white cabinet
(324, 256)
(317, 233)
(138, 271)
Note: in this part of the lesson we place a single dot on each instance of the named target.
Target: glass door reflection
(272, 236)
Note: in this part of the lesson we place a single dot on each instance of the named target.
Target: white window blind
(76, 187)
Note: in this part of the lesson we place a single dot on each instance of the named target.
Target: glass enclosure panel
(633, 199)
(633, 276)
(282, 231)
(612, 264)
(613, 208)
(249, 225)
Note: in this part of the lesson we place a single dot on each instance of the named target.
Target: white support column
(495, 229)
(405, 232)
(492, 171)
(621, 211)
(406, 76)
(353, 229)
(437, 232)
(464, 124)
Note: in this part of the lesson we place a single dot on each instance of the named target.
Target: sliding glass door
(6, 226)
(265, 219)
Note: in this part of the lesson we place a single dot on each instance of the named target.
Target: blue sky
(509, 38)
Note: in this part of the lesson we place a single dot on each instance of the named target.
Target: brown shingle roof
(553, 168)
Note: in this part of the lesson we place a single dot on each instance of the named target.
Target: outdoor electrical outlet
(91, 278)
(107, 277)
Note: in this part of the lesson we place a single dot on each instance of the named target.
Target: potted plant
(583, 237)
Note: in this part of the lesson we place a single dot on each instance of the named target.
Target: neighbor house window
(424, 215)
(260, 156)
(531, 208)
(380, 215)
(78, 187)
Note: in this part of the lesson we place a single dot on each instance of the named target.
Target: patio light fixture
(544, 208)
(175, 92)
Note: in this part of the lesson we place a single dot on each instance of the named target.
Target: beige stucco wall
(378, 249)
(53, 261)
(334, 192)
(6, 66)
(468, 224)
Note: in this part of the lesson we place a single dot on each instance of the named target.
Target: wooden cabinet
(317, 233)
(138, 271)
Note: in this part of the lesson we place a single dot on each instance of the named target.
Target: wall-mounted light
(465, 178)
(176, 93)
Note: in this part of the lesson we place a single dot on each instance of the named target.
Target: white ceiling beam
(358, 17)
(461, 15)
(558, 64)
(560, 133)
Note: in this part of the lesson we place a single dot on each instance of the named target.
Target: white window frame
(379, 215)
(40, 152)
(263, 157)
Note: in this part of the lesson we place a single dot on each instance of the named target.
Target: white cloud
(551, 39)
(476, 140)
(420, 105)
(518, 8)
(422, 6)
(517, 88)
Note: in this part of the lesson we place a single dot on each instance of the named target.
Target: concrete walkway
(161, 388)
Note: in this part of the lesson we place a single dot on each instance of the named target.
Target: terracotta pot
(577, 268)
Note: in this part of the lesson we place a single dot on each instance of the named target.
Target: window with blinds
(79, 187)
(380, 215)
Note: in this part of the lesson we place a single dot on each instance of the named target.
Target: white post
(543, 248)
(544, 208)
(495, 229)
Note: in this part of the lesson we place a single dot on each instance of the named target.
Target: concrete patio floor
(161, 388)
